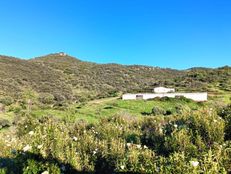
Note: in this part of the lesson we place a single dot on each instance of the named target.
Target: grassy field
(94, 110)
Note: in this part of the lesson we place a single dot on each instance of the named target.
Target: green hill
(68, 78)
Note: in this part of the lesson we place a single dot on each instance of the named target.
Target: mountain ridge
(70, 79)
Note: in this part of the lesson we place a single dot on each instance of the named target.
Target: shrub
(4, 123)
(46, 98)
(208, 126)
(225, 113)
(158, 111)
(6, 100)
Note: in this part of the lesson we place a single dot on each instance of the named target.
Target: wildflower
(95, 151)
(160, 130)
(138, 146)
(26, 148)
(122, 167)
(175, 125)
(194, 163)
(75, 138)
(31, 133)
(45, 172)
(145, 147)
(40, 146)
(129, 144)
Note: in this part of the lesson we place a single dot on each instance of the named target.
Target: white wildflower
(95, 151)
(45, 172)
(75, 138)
(175, 125)
(122, 167)
(160, 130)
(129, 144)
(145, 147)
(138, 146)
(40, 146)
(26, 148)
(194, 163)
(31, 133)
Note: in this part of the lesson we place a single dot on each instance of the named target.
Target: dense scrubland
(62, 115)
(65, 78)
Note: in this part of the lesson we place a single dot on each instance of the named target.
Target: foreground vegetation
(158, 136)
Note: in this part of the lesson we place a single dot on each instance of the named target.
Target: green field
(94, 110)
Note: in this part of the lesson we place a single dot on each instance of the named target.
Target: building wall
(194, 96)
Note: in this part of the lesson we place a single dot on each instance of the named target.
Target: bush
(4, 123)
(7, 100)
(46, 98)
(225, 113)
(158, 111)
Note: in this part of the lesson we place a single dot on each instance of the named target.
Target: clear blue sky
(166, 33)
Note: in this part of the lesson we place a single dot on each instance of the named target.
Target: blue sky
(166, 33)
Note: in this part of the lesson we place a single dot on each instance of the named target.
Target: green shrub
(46, 98)
(158, 111)
(6, 100)
(4, 123)
(225, 113)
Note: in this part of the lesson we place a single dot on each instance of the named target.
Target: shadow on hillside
(17, 164)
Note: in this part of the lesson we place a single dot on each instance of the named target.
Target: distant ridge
(68, 78)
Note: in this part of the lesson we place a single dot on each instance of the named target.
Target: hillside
(68, 78)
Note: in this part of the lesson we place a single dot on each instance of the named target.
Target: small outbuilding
(160, 90)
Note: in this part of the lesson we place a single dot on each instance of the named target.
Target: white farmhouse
(160, 90)
(199, 97)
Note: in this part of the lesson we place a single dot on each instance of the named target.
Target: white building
(199, 97)
(163, 90)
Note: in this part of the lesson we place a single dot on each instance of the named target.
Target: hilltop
(67, 78)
